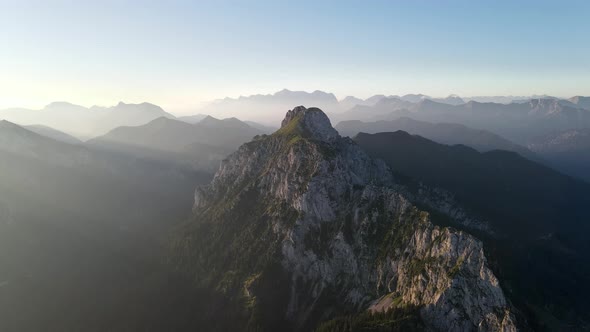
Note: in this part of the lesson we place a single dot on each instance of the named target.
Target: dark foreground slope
(301, 227)
(539, 218)
(80, 232)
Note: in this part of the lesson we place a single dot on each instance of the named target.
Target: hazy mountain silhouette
(503, 99)
(264, 108)
(192, 118)
(203, 144)
(85, 122)
(444, 133)
(350, 101)
(451, 100)
(25, 143)
(517, 121)
(53, 134)
(174, 135)
(384, 105)
(269, 109)
(413, 98)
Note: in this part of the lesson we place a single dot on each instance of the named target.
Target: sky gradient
(179, 54)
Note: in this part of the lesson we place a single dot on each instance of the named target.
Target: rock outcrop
(302, 226)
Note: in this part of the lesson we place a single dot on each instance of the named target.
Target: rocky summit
(301, 227)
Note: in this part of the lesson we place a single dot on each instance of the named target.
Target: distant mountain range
(445, 133)
(192, 118)
(263, 108)
(519, 122)
(536, 123)
(366, 112)
(266, 111)
(505, 99)
(173, 135)
(85, 122)
(523, 121)
(350, 101)
(203, 144)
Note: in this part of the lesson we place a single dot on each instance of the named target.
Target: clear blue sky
(181, 53)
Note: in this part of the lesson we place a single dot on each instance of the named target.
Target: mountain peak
(283, 92)
(308, 122)
(161, 120)
(209, 119)
(329, 215)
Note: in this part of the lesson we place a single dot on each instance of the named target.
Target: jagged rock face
(312, 121)
(302, 226)
(454, 282)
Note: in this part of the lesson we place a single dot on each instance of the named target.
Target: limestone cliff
(302, 226)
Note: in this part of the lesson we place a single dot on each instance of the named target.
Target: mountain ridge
(443, 132)
(202, 145)
(277, 228)
(83, 122)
